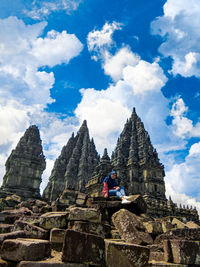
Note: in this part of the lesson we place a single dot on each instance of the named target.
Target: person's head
(113, 174)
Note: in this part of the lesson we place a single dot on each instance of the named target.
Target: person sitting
(111, 188)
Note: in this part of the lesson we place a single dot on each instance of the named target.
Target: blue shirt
(111, 182)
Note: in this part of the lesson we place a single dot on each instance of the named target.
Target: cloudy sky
(63, 61)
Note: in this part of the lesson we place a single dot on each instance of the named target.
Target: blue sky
(64, 61)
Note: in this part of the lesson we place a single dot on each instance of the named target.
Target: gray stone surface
(118, 254)
(31, 230)
(83, 248)
(131, 230)
(25, 165)
(25, 249)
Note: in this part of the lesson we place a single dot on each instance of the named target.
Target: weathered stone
(120, 254)
(167, 226)
(25, 165)
(130, 228)
(13, 200)
(31, 230)
(178, 223)
(156, 253)
(153, 227)
(165, 264)
(83, 248)
(25, 249)
(182, 251)
(192, 225)
(12, 235)
(52, 220)
(74, 166)
(99, 229)
(10, 216)
(192, 234)
(6, 228)
(50, 264)
(84, 214)
(57, 238)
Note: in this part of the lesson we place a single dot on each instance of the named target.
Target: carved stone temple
(139, 170)
(74, 166)
(24, 166)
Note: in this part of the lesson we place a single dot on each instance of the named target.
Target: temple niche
(25, 165)
(74, 166)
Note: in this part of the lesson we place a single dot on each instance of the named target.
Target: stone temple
(24, 166)
(79, 171)
(139, 170)
(74, 166)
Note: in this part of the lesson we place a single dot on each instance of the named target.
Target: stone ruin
(74, 226)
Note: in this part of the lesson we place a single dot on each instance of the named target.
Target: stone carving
(74, 166)
(25, 165)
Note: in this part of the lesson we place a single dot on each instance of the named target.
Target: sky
(65, 61)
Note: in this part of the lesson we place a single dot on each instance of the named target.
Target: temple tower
(25, 165)
(74, 166)
(136, 161)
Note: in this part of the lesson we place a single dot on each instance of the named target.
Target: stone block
(130, 228)
(31, 230)
(156, 253)
(99, 229)
(192, 225)
(120, 254)
(52, 220)
(12, 235)
(83, 248)
(153, 227)
(178, 223)
(57, 238)
(192, 234)
(138, 204)
(167, 226)
(25, 249)
(50, 264)
(84, 214)
(6, 228)
(10, 216)
(182, 251)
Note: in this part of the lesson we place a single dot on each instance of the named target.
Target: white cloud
(114, 65)
(98, 40)
(184, 178)
(180, 28)
(183, 127)
(42, 8)
(56, 48)
(22, 52)
(144, 77)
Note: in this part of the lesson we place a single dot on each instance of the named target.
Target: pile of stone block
(103, 234)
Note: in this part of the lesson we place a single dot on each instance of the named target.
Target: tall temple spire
(25, 165)
(137, 161)
(74, 166)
